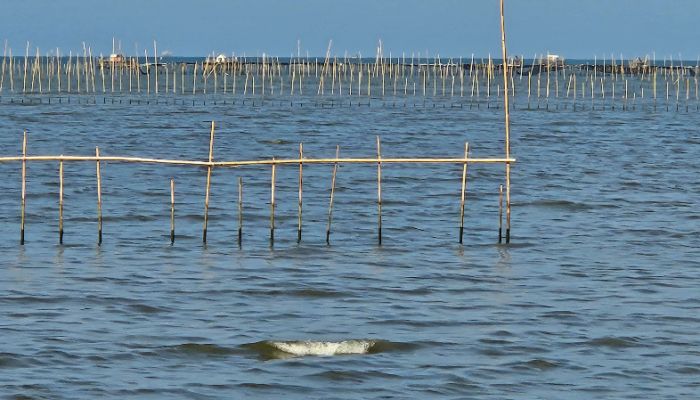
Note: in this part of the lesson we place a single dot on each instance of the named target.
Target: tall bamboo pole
(240, 210)
(330, 207)
(301, 156)
(24, 185)
(172, 211)
(379, 190)
(99, 198)
(464, 186)
(505, 80)
(60, 203)
(272, 204)
(500, 215)
(206, 200)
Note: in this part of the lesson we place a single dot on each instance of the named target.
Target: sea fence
(608, 84)
(273, 164)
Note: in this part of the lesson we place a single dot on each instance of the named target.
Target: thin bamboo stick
(240, 210)
(99, 199)
(172, 211)
(379, 190)
(464, 186)
(330, 207)
(60, 203)
(500, 215)
(505, 79)
(4, 59)
(24, 185)
(206, 200)
(301, 156)
(272, 206)
(155, 62)
(26, 58)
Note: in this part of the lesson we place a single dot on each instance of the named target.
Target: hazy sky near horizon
(449, 28)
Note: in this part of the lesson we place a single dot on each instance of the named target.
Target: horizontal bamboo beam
(263, 162)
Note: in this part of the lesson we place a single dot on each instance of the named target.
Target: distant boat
(554, 60)
(166, 54)
(117, 58)
(514, 61)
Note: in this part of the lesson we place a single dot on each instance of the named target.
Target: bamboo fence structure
(333, 81)
(211, 164)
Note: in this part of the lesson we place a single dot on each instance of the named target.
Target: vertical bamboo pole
(172, 211)
(272, 204)
(24, 185)
(99, 198)
(505, 79)
(301, 156)
(500, 215)
(330, 207)
(26, 58)
(240, 210)
(4, 59)
(379, 190)
(155, 62)
(206, 200)
(464, 187)
(60, 203)
(148, 76)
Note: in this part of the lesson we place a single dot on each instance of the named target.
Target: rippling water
(596, 296)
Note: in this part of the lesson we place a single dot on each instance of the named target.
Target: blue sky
(449, 28)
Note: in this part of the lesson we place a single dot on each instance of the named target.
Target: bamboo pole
(240, 210)
(60, 203)
(379, 190)
(206, 200)
(272, 206)
(172, 211)
(24, 185)
(4, 59)
(263, 162)
(505, 79)
(99, 198)
(464, 186)
(155, 62)
(301, 156)
(330, 207)
(26, 58)
(500, 215)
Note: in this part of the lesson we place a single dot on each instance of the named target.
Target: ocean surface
(596, 296)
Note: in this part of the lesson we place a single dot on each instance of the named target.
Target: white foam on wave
(324, 348)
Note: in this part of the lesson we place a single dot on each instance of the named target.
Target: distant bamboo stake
(464, 186)
(60, 204)
(272, 206)
(206, 200)
(172, 211)
(379, 189)
(301, 156)
(330, 207)
(4, 59)
(99, 198)
(26, 58)
(148, 75)
(155, 62)
(24, 185)
(240, 209)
